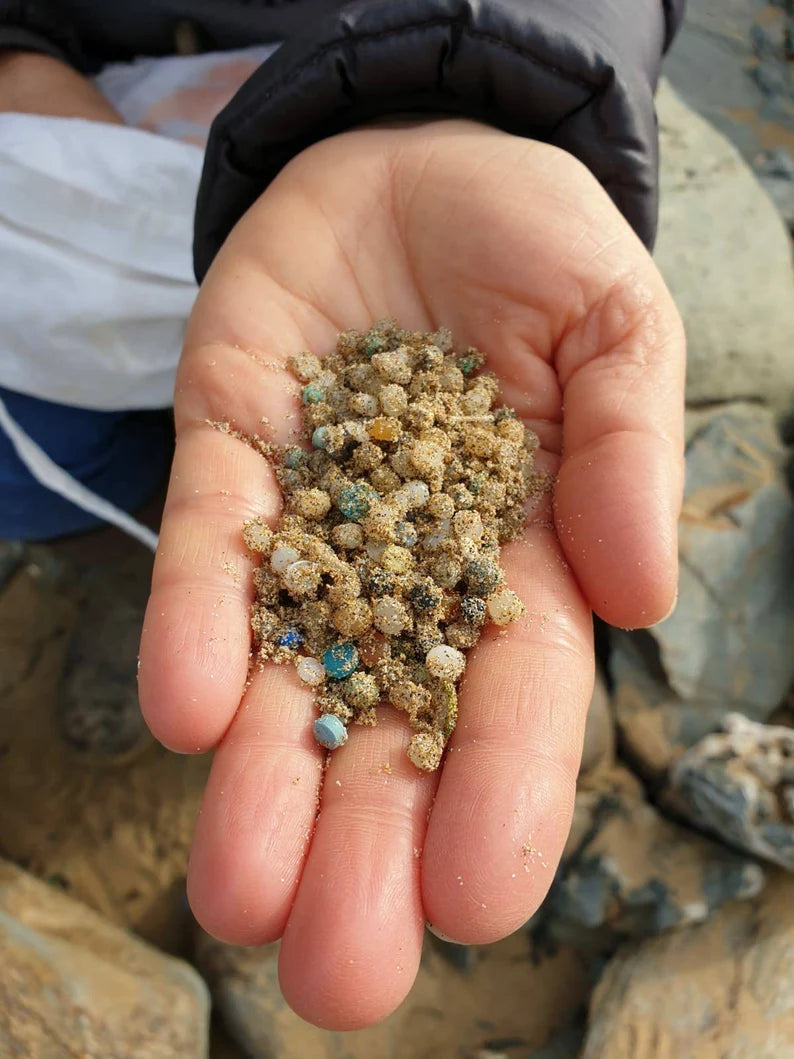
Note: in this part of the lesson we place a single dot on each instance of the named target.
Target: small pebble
(302, 578)
(396, 559)
(467, 525)
(295, 458)
(385, 428)
(257, 535)
(471, 361)
(283, 557)
(330, 732)
(385, 564)
(473, 609)
(461, 497)
(483, 576)
(425, 596)
(311, 503)
(364, 404)
(347, 535)
(393, 366)
(405, 534)
(445, 663)
(415, 494)
(393, 399)
(310, 671)
(438, 536)
(425, 750)
(441, 506)
(361, 691)
(505, 607)
(511, 430)
(373, 344)
(391, 616)
(305, 366)
(375, 549)
(352, 619)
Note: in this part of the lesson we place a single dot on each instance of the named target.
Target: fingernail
(442, 937)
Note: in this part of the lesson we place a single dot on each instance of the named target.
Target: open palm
(513, 246)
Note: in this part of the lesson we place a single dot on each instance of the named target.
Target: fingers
(353, 941)
(258, 813)
(619, 489)
(196, 632)
(503, 807)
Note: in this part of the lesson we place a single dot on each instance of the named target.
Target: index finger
(196, 634)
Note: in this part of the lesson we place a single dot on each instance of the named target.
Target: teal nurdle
(355, 500)
(313, 393)
(340, 660)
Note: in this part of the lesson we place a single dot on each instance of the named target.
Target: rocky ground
(669, 928)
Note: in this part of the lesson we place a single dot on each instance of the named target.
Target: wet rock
(73, 984)
(726, 256)
(739, 785)
(447, 1013)
(727, 645)
(114, 835)
(636, 873)
(599, 735)
(720, 990)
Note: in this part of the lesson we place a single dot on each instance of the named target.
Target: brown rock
(720, 990)
(75, 985)
(655, 725)
(504, 996)
(738, 784)
(631, 872)
(727, 645)
(116, 837)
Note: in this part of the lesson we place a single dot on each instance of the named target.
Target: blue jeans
(121, 456)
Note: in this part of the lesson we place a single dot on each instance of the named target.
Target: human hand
(515, 247)
(31, 83)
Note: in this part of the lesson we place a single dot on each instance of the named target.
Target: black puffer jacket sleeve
(576, 73)
(37, 25)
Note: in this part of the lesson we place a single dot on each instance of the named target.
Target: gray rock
(73, 984)
(567, 1044)
(775, 170)
(481, 1013)
(720, 990)
(655, 724)
(727, 646)
(636, 873)
(739, 785)
(728, 642)
(726, 256)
